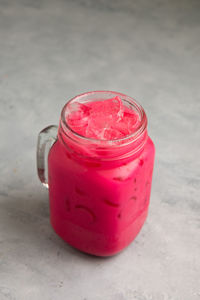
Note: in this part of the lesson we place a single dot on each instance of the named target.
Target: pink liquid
(97, 207)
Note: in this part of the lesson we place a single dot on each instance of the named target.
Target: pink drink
(100, 172)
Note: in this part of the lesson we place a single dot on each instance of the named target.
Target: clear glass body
(99, 190)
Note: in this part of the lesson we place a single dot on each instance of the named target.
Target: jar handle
(46, 139)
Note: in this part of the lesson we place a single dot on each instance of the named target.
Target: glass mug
(99, 190)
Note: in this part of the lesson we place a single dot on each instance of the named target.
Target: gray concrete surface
(53, 50)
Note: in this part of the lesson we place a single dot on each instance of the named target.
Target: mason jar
(99, 190)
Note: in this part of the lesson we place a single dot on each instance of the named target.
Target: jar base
(97, 243)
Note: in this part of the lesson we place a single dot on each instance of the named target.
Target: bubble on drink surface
(106, 119)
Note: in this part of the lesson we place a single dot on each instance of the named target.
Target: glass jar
(99, 190)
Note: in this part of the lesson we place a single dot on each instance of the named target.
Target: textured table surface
(53, 50)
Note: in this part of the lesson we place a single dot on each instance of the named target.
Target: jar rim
(139, 129)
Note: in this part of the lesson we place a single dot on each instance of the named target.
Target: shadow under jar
(99, 190)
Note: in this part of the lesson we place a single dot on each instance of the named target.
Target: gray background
(53, 50)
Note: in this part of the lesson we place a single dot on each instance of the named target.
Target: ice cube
(106, 119)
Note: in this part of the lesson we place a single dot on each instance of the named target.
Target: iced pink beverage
(100, 172)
